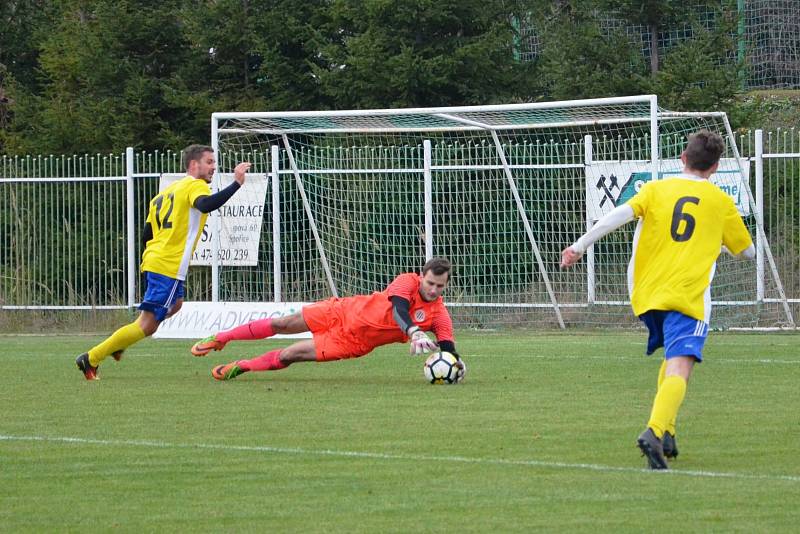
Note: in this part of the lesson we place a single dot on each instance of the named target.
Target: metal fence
(70, 229)
(766, 39)
(775, 156)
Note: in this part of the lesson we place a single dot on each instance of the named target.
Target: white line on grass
(628, 358)
(401, 457)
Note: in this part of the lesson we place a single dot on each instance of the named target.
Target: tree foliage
(655, 15)
(22, 24)
(412, 53)
(696, 74)
(580, 61)
(90, 75)
(106, 73)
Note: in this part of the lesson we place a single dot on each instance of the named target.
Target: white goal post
(356, 197)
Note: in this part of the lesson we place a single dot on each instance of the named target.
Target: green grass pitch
(541, 436)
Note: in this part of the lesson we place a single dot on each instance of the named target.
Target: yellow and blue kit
(176, 225)
(683, 220)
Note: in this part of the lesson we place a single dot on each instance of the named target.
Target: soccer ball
(443, 368)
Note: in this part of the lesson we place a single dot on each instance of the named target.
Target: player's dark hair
(194, 153)
(438, 266)
(704, 150)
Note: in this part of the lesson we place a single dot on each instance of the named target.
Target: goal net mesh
(496, 185)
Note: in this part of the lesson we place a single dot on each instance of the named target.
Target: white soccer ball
(444, 368)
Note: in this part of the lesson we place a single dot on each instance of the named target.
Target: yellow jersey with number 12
(683, 221)
(176, 227)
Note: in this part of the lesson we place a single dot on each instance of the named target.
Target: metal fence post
(590, 272)
(129, 223)
(276, 222)
(759, 192)
(428, 198)
(214, 220)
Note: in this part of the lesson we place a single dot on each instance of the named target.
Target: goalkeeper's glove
(420, 342)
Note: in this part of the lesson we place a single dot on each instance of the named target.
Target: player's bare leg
(274, 360)
(291, 324)
(148, 323)
(302, 351)
(259, 329)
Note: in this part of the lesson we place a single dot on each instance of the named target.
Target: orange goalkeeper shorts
(332, 339)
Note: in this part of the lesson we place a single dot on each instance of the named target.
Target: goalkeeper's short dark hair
(704, 150)
(438, 266)
(194, 153)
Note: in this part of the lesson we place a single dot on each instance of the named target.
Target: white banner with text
(611, 184)
(197, 320)
(240, 221)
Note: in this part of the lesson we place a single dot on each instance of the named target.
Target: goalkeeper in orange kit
(351, 327)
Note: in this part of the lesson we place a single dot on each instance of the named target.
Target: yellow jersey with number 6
(683, 222)
(176, 225)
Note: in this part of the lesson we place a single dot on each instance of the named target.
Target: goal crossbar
(638, 99)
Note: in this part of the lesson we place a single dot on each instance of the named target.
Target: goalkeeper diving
(351, 327)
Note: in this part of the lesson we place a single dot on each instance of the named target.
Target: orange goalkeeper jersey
(370, 318)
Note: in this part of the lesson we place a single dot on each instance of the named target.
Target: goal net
(354, 198)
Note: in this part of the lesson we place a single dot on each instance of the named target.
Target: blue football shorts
(162, 292)
(679, 334)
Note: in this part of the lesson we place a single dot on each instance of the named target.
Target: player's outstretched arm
(420, 342)
(449, 346)
(209, 203)
(607, 224)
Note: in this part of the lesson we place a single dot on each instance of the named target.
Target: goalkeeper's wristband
(412, 330)
(448, 346)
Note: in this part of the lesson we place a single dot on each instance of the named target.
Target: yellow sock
(119, 340)
(667, 403)
(671, 426)
(661, 374)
